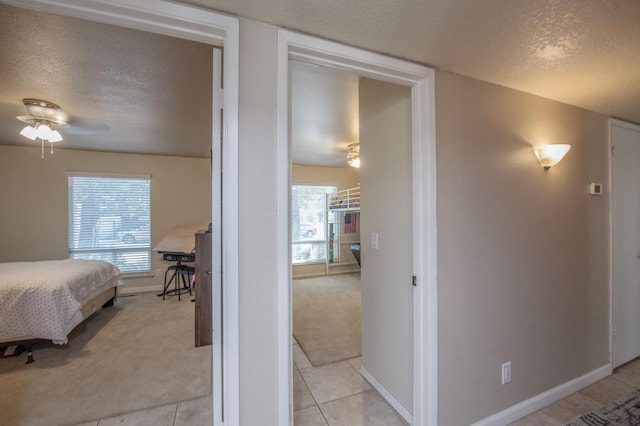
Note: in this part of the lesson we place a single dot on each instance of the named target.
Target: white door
(217, 279)
(625, 173)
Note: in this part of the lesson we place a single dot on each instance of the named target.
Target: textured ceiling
(582, 52)
(124, 90)
(153, 93)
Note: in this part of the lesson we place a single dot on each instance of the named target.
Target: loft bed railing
(345, 200)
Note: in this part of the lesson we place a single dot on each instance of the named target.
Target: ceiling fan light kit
(43, 118)
(353, 155)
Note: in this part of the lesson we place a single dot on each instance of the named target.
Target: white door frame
(191, 23)
(309, 49)
(611, 153)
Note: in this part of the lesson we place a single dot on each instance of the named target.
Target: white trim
(216, 180)
(404, 413)
(610, 230)
(108, 175)
(300, 47)
(156, 16)
(141, 289)
(624, 124)
(196, 24)
(283, 243)
(531, 405)
(425, 301)
(635, 128)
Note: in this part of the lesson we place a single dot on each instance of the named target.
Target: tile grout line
(175, 414)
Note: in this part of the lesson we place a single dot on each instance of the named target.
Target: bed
(46, 300)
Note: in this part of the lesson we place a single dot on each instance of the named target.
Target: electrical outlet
(158, 272)
(613, 329)
(506, 372)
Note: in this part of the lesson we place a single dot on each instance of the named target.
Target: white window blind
(308, 223)
(110, 219)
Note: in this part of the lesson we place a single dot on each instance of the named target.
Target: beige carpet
(326, 317)
(136, 354)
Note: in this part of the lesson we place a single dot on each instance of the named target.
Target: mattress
(44, 299)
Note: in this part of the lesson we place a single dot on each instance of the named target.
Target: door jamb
(313, 50)
(636, 128)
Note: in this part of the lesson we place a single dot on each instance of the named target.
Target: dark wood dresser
(203, 288)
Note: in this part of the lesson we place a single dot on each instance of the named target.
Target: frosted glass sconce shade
(550, 155)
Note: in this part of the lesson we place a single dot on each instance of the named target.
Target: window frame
(146, 248)
(299, 242)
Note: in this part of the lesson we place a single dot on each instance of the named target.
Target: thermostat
(595, 188)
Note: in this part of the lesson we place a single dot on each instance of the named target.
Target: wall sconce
(550, 155)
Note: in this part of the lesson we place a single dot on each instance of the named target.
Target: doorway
(420, 80)
(331, 111)
(191, 23)
(326, 310)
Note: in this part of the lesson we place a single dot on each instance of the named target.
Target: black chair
(180, 273)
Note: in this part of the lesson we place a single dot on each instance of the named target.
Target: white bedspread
(40, 299)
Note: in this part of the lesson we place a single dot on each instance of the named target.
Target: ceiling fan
(45, 118)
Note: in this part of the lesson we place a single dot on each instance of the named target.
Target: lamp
(42, 117)
(353, 155)
(550, 155)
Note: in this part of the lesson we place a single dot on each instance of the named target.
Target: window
(308, 223)
(110, 219)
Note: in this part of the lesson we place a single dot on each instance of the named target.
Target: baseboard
(140, 289)
(311, 275)
(324, 274)
(531, 405)
(406, 415)
(344, 268)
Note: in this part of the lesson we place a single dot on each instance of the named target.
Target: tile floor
(335, 394)
(624, 380)
(197, 412)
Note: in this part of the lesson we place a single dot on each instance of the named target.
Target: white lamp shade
(55, 136)
(550, 155)
(29, 132)
(43, 131)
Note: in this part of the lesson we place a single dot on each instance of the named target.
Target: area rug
(624, 411)
(326, 317)
(136, 354)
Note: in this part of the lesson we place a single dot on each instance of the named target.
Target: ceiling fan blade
(85, 128)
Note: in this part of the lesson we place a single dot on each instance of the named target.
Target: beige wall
(33, 217)
(341, 177)
(522, 254)
(387, 293)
